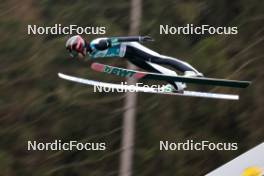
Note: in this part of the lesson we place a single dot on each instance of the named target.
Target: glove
(146, 39)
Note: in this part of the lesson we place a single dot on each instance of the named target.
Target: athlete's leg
(151, 56)
(139, 58)
(135, 56)
(176, 63)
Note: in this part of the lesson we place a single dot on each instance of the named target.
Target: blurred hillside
(36, 105)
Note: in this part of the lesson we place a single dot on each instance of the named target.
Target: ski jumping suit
(137, 54)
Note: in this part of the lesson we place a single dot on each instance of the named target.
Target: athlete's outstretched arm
(133, 39)
(104, 43)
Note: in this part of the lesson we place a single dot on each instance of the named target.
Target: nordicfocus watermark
(67, 146)
(59, 29)
(191, 29)
(124, 87)
(190, 145)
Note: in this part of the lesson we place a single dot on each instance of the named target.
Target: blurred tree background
(36, 105)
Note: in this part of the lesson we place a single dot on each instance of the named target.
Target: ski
(134, 88)
(156, 76)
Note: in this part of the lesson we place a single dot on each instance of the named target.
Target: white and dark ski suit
(137, 54)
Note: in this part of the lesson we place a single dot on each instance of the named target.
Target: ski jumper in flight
(136, 53)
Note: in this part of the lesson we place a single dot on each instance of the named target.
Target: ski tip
(97, 67)
(60, 74)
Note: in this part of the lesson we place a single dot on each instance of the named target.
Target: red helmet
(75, 45)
